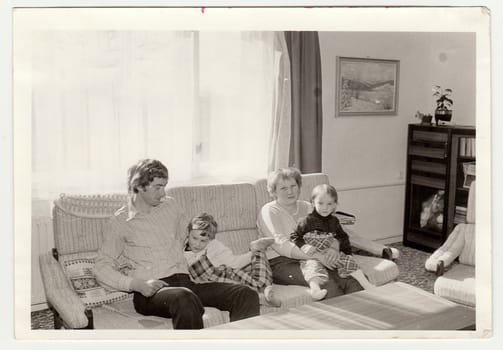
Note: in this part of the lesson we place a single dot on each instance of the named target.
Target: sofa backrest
(79, 220)
(309, 181)
(232, 206)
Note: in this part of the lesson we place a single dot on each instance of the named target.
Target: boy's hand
(147, 288)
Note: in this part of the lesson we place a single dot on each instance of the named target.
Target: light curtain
(279, 148)
(201, 102)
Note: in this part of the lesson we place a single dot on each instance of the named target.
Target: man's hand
(147, 288)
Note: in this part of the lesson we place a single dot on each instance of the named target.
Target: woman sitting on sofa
(278, 219)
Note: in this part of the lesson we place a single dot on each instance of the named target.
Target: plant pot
(444, 115)
(426, 119)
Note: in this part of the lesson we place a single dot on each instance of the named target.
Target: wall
(365, 156)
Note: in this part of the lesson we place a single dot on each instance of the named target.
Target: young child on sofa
(320, 231)
(210, 260)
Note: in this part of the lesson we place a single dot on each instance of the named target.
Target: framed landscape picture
(366, 86)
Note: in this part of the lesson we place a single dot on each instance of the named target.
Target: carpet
(410, 265)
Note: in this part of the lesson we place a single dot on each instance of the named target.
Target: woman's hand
(324, 259)
(332, 255)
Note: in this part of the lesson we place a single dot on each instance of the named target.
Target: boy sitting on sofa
(210, 260)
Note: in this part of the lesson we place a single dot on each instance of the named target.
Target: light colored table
(394, 306)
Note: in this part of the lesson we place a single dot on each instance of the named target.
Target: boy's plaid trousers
(257, 275)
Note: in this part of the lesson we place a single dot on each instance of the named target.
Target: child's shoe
(387, 253)
(261, 243)
(390, 253)
(270, 298)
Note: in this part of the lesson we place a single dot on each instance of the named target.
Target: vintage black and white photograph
(188, 170)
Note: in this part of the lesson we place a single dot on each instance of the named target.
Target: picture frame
(366, 86)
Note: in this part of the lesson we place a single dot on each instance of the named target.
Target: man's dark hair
(143, 173)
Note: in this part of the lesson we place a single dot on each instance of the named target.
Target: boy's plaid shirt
(257, 275)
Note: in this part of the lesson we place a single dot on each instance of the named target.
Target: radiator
(42, 241)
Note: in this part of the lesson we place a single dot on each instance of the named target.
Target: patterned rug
(410, 265)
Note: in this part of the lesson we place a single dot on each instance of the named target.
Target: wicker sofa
(79, 302)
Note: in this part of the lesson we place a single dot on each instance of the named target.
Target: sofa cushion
(457, 284)
(309, 181)
(79, 271)
(238, 241)
(379, 271)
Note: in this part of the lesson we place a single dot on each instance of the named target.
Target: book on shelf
(460, 209)
(467, 147)
(460, 215)
(427, 181)
(462, 146)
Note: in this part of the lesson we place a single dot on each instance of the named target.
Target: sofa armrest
(377, 249)
(59, 293)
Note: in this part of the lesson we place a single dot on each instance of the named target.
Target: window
(201, 102)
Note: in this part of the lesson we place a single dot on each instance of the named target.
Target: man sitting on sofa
(147, 236)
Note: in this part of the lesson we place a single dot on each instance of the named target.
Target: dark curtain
(307, 116)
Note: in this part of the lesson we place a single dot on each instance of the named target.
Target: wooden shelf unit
(435, 157)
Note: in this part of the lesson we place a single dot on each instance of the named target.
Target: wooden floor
(394, 306)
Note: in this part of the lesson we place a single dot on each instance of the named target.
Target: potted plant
(443, 111)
